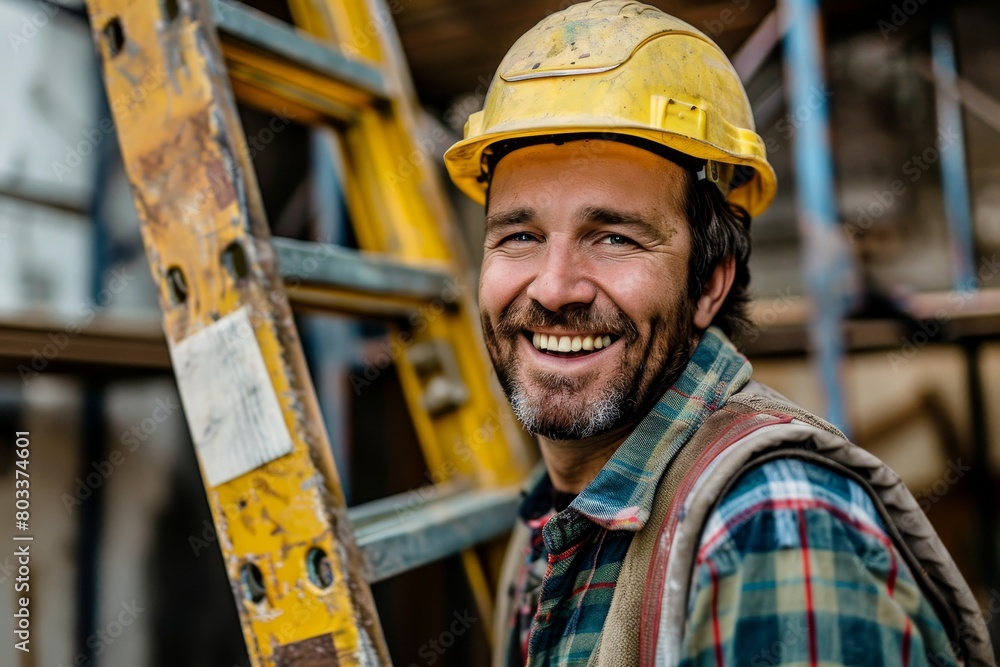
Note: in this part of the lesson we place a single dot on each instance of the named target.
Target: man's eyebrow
(609, 216)
(514, 216)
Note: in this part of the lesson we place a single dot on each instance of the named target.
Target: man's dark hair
(719, 229)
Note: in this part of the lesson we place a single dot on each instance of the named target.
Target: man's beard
(552, 406)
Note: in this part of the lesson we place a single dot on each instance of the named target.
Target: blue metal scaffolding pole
(331, 343)
(954, 176)
(826, 261)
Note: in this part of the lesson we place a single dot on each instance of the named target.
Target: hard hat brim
(466, 163)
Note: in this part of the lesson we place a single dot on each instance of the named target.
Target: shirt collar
(621, 496)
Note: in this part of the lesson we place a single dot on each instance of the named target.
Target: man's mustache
(531, 316)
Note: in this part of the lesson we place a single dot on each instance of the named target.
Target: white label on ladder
(232, 411)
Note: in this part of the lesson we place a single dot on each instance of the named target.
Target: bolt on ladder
(299, 562)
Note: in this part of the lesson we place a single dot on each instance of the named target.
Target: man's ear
(714, 292)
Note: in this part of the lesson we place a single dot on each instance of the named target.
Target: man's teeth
(569, 343)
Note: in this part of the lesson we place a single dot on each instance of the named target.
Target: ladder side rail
(275, 495)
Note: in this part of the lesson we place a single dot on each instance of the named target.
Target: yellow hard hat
(623, 70)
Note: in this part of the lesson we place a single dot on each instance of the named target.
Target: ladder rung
(327, 265)
(260, 30)
(396, 537)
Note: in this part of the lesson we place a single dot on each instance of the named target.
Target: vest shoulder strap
(620, 641)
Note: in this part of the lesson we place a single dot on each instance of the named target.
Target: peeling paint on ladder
(233, 413)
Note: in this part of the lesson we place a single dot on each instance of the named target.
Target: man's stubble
(553, 406)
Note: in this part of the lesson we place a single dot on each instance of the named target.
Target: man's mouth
(574, 345)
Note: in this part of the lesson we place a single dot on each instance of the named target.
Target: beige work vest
(645, 622)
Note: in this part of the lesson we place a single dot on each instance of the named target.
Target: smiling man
(586, 305)
(684, 514)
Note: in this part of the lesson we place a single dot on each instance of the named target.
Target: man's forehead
(611, 173)
(581, 152)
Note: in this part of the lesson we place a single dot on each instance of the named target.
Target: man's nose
(562, 279)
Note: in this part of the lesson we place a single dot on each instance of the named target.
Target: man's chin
(562, 415)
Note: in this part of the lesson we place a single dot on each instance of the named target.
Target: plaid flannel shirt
(795, 566)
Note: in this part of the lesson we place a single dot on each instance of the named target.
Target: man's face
(583, 292)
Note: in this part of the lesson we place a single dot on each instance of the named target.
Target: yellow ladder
(299, 562)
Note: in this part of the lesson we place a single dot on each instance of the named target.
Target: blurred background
(886, 320)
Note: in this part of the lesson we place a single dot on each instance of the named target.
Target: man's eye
(617, 239)
(520, 237)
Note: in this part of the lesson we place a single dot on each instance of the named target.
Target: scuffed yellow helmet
(612, 67)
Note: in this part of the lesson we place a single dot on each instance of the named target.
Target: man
(685, 514)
